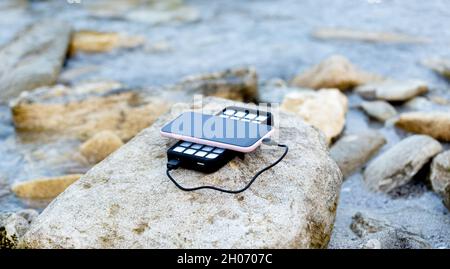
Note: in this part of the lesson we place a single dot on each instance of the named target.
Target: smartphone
(218, 131)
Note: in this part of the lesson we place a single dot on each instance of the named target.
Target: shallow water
(272, 36)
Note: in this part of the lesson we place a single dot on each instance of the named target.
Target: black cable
(172, 167)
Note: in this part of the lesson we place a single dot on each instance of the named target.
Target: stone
(44, 188)
(73, 75)
(396, 166)
(440, 66)
(366, 36)
(85, 110)
(380, 234)
(447, 197)
(13, 226)
(391, 90)
(379, 110)
(100, 146)
(13, 4)
(440, 172)
(33, 58)
(324, 109)
(240, 84)
(127, 201)
(146, 12)
(100, 42)
(334, 72)
(433, 123)
(352, 151)
(419, 103)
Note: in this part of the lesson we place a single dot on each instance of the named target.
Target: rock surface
(85, 110)
(391, 90)
(324, 109)
(379, 110)
(435, 124)
(13, 226)
(33, 58)
(440, 176)
(127, 201)
(98, 42)
(419, 103)
(399, 164)
(240, 84)
(440, 66)
(380, 234)
(352, 151)
(334, 72)
(100, 146)
(375, 37)
(44, 188)
(146, 12)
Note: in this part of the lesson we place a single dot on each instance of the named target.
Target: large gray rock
(399, 164)
(432, 123)
(440, 176)
(380, 234)
(353, 150)
(33, 58)
(14, 225)
(127, 201)
(379, 110)
(333, 72)
(391, 90)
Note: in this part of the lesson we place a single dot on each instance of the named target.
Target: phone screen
(217, 129)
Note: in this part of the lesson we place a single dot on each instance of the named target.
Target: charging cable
(174, 164)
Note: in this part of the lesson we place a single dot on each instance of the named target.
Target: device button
(229, 112)
(207, 148)
(190, 151)
(196, 146)
(179, 149)
(240, 114)
(185, 144)
(218, 150)
(211, 156)
(201, 153)
(261, 118)
(251, 116)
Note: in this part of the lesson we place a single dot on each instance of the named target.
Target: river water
(275, 38)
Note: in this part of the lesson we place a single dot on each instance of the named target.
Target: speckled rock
(432, 123)
(379, 110)
(44, 188)
(391, 90)
(33, 58)
(399, 164)
(13, 226)
(86, 109)
(98, 42)
(100, 146)
(324, 109)
(334, 72)
(127, 201)
(440, 176)
(380, 234)
(353, 150)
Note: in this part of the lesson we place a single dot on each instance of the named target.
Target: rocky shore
(369, 159)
